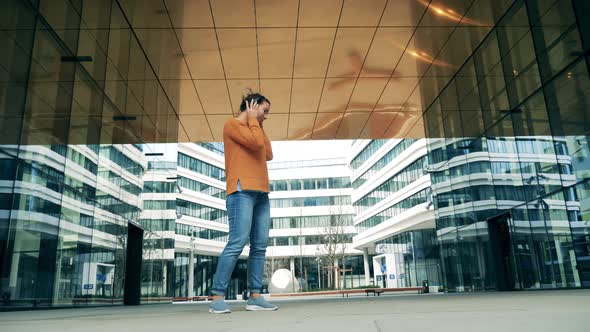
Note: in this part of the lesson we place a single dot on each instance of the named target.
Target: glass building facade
(65, 212)
(393, 215)
(67, 207)
(509, 186)
(203, 272)
(312, 225)
(158, 220)
(417, 257)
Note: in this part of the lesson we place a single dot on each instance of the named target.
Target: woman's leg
(258, 243)
(240, 206)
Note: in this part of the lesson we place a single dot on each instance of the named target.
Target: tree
(153, 256)
(334, 240)
(300, 244)
(120, 253)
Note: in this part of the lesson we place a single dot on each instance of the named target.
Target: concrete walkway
(555, 311)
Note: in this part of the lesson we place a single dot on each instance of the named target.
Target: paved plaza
(559, 311)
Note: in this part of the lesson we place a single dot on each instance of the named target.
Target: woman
(247, 149)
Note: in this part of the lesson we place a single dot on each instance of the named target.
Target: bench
(191, 298)
(351, 291)
(378, 291)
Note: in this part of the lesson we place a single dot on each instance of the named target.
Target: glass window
(367, 152)
(200, 167)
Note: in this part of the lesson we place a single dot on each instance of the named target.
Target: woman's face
(262, 111)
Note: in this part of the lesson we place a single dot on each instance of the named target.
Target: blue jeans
(249, 218)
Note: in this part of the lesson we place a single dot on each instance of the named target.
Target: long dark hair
(257, 97)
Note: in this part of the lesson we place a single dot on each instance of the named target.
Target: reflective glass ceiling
(132, 71)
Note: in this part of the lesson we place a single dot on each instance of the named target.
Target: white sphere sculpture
(282, 282)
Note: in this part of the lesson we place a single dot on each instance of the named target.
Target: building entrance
(499, 232)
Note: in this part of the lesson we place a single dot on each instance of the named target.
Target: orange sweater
(247, 149)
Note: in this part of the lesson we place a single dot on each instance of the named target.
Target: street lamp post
(319, 274)
(191, 268)
(318, 258)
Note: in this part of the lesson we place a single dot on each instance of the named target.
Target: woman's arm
(251, 137)
(267, 148)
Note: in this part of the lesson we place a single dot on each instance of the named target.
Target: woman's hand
(252, 109)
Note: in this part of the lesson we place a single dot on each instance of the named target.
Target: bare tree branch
(334, 239)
